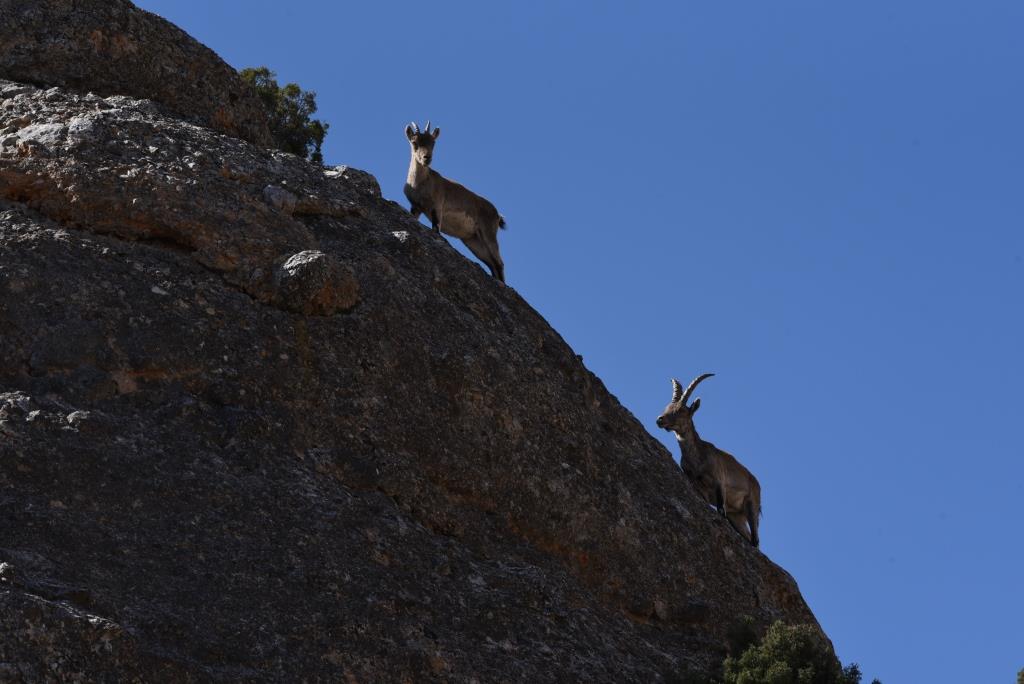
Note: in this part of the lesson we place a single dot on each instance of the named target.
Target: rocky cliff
(256, 424)
(113, 48)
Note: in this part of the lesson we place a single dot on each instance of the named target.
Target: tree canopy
(290, 110)
(796, 654)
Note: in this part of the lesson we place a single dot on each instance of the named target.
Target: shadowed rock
(111, 47)
(312, 282)
(255, 436)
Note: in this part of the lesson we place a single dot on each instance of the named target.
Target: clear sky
(823, 203)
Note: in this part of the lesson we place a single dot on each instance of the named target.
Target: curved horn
(677, 390)
(427, 129)
(693, 386)
(415, 128)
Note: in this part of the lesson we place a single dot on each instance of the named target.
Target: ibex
(718, 476)
(451, 207)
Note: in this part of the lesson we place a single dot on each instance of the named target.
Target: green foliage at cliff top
(289, 110)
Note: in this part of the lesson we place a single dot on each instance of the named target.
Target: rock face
(111, 47)
(256, 424)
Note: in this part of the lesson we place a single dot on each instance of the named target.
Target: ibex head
(677, 416)
(422, 142)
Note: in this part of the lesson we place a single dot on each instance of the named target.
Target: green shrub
(741, 635)
(289, 109)
(790, 655)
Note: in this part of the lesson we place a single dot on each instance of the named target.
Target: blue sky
(820, 202)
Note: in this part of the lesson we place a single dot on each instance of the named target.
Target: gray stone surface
(312, 282)
(242, 444)
(111, 47)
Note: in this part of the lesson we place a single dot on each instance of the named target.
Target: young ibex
(718, 476)
(451, 207)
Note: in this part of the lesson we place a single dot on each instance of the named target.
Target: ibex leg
(478, 246)
(739, 523)
(496, 263)
(752, 519)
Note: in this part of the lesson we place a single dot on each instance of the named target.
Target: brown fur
(452, 208)
(721, 479)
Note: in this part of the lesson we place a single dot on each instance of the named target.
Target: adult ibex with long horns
(718, 476)
(452, 208)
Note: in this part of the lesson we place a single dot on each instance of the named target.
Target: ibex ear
(694, 406)
(409, 133)
(437, 132)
